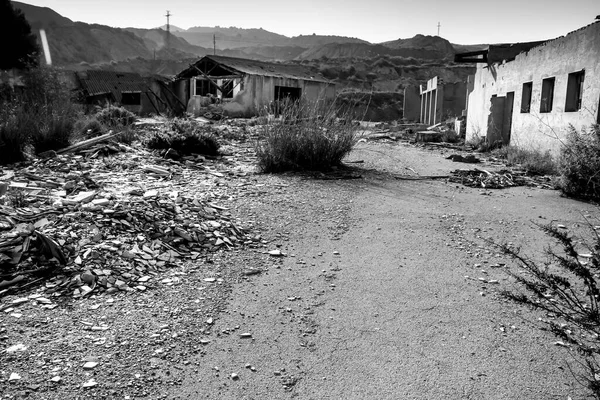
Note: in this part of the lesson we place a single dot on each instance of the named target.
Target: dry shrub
(306, 136)
(41, 114)
(566, 289)
(534, 162)
(579, 163)
(185, 137)
(115, 117)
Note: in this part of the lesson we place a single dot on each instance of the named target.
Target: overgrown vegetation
(579, 163)
(40, 114)
(306, 136)
(184, 137)
(565, 288)
(114, 117)
(534, 162)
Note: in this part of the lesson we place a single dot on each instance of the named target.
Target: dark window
(131, 98)
(547, 95)
(204, 88)
(574, 91)
(526, 97)
(287, 93)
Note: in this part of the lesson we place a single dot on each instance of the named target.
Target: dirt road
(380, 295)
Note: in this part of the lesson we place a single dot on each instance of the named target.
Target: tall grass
(305, 136)
(534, 162)
(41, 115)
(579, 163)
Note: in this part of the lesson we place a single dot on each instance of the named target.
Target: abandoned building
(435, 102)
(140, 95)
(529, 94)
(242, 86)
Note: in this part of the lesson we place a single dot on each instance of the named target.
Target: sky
(461, 21)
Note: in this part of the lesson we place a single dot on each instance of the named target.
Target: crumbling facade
(140, 95)
(242, 87)
(440, 101)
(530, 98)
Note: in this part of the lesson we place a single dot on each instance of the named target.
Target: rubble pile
(85, 222)
(498, 180)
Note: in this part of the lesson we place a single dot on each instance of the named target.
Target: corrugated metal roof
(96, 82)
(261, 68)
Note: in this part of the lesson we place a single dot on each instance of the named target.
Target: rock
(90, 365)
(276, 253)
(16, 348)
(55, 379)
(14, 377)
(235, 376)
(245, 335)
(90, 384)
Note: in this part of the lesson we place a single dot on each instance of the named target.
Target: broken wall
(259, 91)
(538, 128)
(412, 104)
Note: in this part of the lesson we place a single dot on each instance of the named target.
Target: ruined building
(241, 87)
(529, 94)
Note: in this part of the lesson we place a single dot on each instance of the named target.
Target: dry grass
(306, 136)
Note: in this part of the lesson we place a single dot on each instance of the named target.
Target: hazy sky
(462, 21)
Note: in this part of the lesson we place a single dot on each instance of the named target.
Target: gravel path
(378, 295)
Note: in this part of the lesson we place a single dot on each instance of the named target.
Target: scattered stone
(90, 384)
(245, 335)
(14, 377)
(235, 376)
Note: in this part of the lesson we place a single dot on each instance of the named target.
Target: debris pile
(83, 222)
(498, 180)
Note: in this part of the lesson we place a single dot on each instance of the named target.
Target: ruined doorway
(508, 115)
(496, 120)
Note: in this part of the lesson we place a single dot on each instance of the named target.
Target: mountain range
(79, 43)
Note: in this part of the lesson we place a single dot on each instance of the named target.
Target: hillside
(435, 46)
(361, 50)
(40, 17)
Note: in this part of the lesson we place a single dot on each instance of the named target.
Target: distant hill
(156, 39)
(441, 47)
(77, 42)
(39, 17)
(231, 38)
(365, 50)
(172, 28)
(319, 40)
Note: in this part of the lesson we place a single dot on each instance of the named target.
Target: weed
(185, 137)
(115, 117)
(579, 163)
(40, 114)
(314, 137)
(566, 289)
(534, 162)
(88, 126)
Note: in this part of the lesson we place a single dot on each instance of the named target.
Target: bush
(185, 137)
(566, 289)
(306, 137)
(115, 117)
(579, 163)
(534, 162)
(88, 126)
(41, 114)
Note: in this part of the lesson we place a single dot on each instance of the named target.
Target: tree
(21, 47)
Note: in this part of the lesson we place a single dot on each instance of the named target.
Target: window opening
(526, 97)
(574, 91)
(131, 98)
(547, 95)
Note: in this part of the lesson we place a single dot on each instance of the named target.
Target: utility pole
(214, 45)
(168, 28)
(439, 28)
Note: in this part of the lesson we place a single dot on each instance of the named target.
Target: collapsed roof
(222, 65)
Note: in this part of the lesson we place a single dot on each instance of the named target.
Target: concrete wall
(440, 101)
(412, 104)
(259, 91)
(579, 50)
